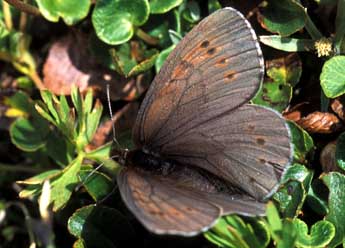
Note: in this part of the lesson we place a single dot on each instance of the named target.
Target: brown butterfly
(201, 150)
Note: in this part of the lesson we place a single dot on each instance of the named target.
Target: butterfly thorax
(188, 176)
(149, 162)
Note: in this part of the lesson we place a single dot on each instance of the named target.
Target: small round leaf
(160, 7)
(333, 77)
(321, 233)
(70, 11)
(114, 20)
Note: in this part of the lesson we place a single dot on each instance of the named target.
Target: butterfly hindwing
(250, 147)
(164, 208)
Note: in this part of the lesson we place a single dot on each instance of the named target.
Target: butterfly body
(201, 150)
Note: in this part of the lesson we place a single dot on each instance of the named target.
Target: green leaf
(274, 95)
(336, 202)
(143, 66)
(303, 143)
(70, 11)
(115, 20)
(317, 197)
(98, 185)
(290, 197)
(63, 185)
(333, 77)
(232, 231)
(160, 7)
(159, 27)
(162, 57)
(40, 178)
(283, 231)
(59, 149)
(25, 135)
(284, 17)
(298, 173)
(276, 91)
(273, 218)
(79, 244)
(100, 153)
(321, 233)
(100, 227)
(213, 5)
(287, 44)
(127, 66)
(340, 151)
(34, 184)
(295, 183)
(92, 121)
(340, 26)
(191, 13)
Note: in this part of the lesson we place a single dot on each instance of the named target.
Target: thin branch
(27, 8)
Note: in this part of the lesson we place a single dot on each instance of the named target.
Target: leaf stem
(27, 8)
(23, 20)
(37, 80)
(312, 29)
(146, 37)
(7, 15)
(18, 168)
(340, 25)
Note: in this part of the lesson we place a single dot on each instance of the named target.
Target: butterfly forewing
(215, 68)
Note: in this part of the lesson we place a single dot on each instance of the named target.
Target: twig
(27, 8)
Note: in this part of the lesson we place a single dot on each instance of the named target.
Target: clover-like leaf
(70, 11)
(97, 226)
(332, 77)
(284, 17)
(28, 134)
(160, 7)
(336, 202)
(115, 20)
(321, 233)
(25, 136)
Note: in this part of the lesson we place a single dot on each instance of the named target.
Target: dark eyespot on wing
(205, 44)
(211, 51)
(260, 141)
(231, 75)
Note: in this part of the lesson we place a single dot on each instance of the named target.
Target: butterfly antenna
(93, 172)
(111, 116)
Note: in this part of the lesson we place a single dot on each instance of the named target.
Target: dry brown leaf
(70, 63)
(315, 122)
